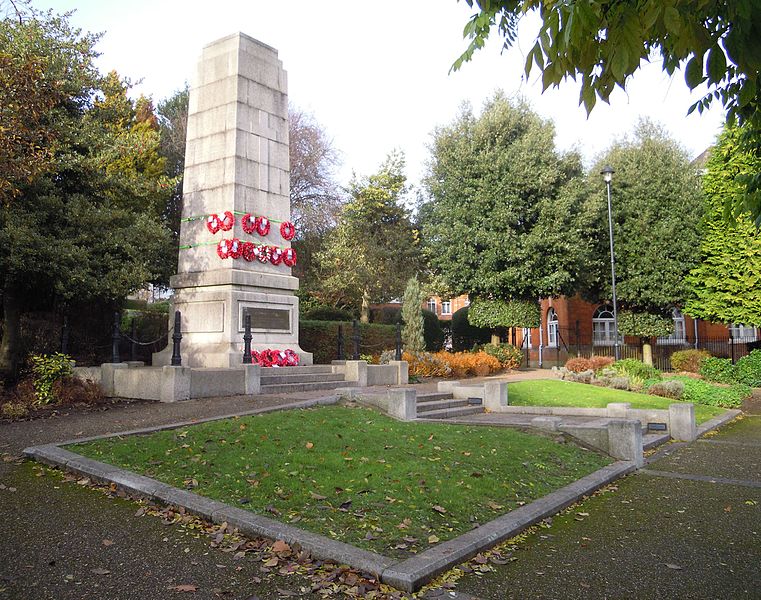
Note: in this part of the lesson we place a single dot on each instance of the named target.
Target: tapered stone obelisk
(236, 160)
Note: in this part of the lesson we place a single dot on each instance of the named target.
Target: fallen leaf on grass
(309, 445)
(272, 562)
(317, 496)
(439, 509)
(433, 539)
(185, 587)
(494, 506)
(280, 547)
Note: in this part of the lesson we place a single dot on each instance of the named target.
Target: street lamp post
(607, 174)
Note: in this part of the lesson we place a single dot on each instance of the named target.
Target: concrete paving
(695, 533)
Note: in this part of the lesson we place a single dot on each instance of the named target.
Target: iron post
(115, 338)
(176, 339)
(356, 338)
(247, 360)
(133, 337)
(341, 355)
(398, 355)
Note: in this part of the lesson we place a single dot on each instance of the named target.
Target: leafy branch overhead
(603, 42)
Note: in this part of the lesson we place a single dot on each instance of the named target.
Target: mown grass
(553, 392)
(354, 474)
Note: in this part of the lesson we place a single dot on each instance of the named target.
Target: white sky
(375, 74)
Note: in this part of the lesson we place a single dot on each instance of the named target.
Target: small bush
(508, 355)
(46, 370)
(719, 370)
(14, 410)
(433, 333)
(578, 365)
(425, 364)
(688, 360)
(667, 389)
(748, 369)
(598, 363)
(634, 368)
(464, 364)
(72, 390)
(619, 383)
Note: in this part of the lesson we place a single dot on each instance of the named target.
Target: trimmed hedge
(321, 338)
(432, 331)
(327, 313)
(464, 335)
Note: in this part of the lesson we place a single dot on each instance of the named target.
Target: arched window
(603, 326)
(526, 343)
(680, 333)
(552, 328)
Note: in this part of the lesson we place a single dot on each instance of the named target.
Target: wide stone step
(287, 388)
(300, 378)
(433, 396)
(431, 405)
(452, 413)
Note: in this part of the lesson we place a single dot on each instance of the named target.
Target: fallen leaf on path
(673, 566)
(185, 587)
(280, 547)
(100, 571)
(108, 542)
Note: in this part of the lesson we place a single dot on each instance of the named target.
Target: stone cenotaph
(234, 257)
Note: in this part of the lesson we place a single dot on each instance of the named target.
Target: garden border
(408, 574)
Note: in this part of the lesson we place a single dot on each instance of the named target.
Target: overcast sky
(376, 74)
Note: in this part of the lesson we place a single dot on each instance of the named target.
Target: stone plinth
(236, 160)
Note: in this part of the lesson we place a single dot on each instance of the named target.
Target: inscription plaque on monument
(267, 318)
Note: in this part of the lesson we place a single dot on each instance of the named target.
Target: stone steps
(432, 396)
(278, 378)
(303, 370)
(432, 405)
(287, 388)
(451, 413)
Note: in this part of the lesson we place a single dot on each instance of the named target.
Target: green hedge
(321, 338)
(464, 335)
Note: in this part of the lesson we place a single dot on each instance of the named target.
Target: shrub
(719, 370)
(688, 360)
(667, 389)
(578, 365)
(14, 410)
(327, 313)
(748, 369)
(425, 364)
(508, 355)
(464, 335)
(619, 383)
(386, 315)
(46, 370)
(598, 363)
(470, 363)
(433, 333)
(72, 390)
(702, 392)
(633, 368)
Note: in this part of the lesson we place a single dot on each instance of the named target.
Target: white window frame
(431, 305)
(679, 336)
(552, 328)
(742, 334)
(605, 323)
(446, 307)
(527, 338)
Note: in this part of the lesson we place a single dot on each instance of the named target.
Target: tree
(88, 226)
(502, 223)
(657, 206)
(603, 42)
(726, 286)
(373, 251)
(412, 316)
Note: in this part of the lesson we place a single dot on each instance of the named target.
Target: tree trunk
(647, 352)
(364, 315)
(495, 338)
(9, 346)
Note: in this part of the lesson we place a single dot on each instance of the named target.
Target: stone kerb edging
(409, 574)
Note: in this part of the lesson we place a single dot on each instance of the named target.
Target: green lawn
(554, 392)
(354, 474)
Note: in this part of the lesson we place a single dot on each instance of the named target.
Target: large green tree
(726, 285)
(657, 207)
(374, 249)
(88, 227)
(503, 221)
(601, 43)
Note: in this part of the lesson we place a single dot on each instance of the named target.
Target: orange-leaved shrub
(578, 365)
(598, 363)
(470, 363)
(425, 364)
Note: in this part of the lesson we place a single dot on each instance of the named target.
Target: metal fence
(571, 343)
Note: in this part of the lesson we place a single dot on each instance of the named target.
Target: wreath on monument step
(275, 358)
